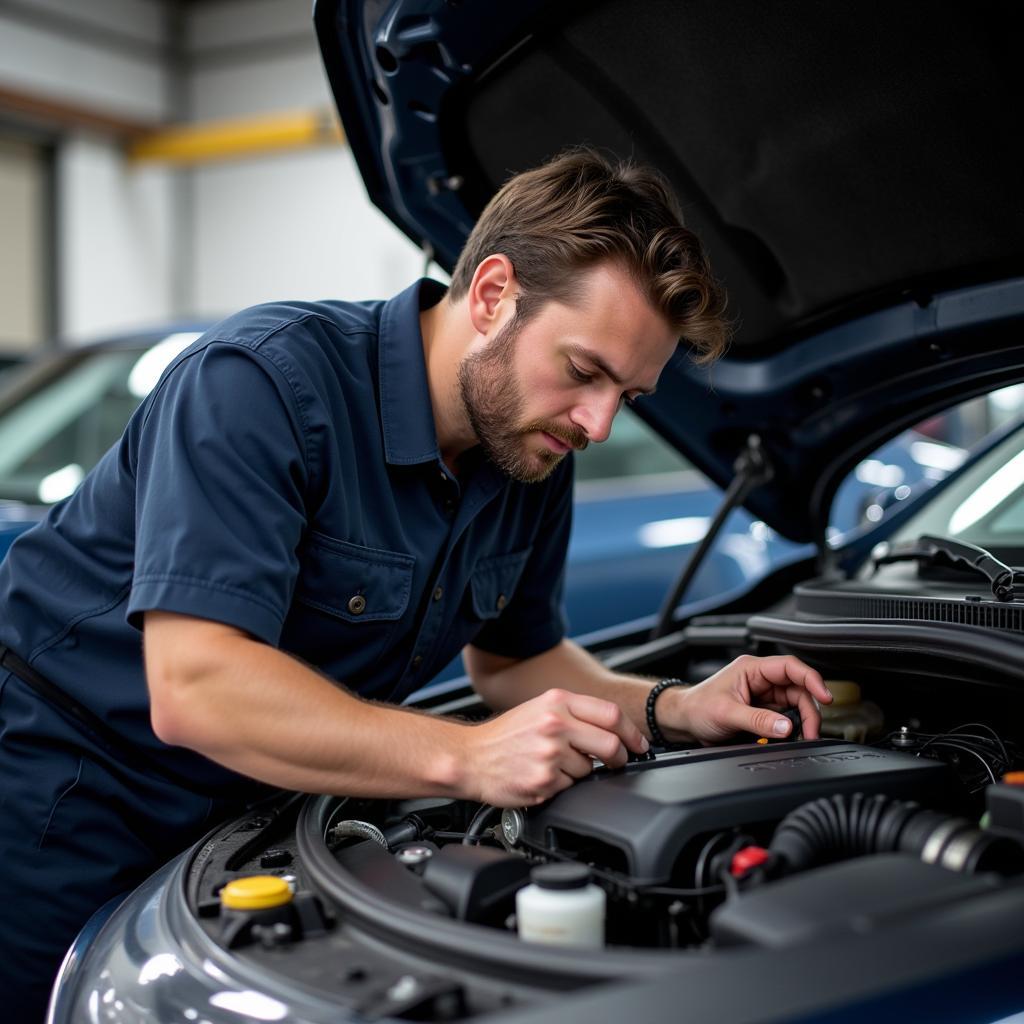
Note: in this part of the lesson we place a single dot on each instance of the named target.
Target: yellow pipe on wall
(231, 139)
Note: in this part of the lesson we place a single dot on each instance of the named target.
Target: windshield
(983, 506)
(53, 434)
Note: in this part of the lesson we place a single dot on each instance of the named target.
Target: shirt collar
(406, 413)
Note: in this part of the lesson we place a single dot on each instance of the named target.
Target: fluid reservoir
(561, 907)
(849, 717)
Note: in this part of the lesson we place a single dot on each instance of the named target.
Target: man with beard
(318, 506)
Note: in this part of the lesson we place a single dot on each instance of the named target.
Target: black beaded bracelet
(657, 737)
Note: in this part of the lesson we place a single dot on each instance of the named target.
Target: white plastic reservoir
(561, 907)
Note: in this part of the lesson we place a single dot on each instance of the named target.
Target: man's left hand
(735, 698)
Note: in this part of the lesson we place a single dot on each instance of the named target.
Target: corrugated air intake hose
(838, 827)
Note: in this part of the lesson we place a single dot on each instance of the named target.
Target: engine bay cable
(983, 744)
(623, 882)
(966, 748)
(478, 824)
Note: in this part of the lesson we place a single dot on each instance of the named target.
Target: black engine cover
(858, 895)
(651, 811)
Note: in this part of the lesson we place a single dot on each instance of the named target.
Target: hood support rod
(752, 469)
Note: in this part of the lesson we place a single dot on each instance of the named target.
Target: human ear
(492, 291)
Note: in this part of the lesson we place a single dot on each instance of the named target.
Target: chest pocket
(494, 581)
(354, 583)
(348, 607)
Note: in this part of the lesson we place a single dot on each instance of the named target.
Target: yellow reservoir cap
(257, 892)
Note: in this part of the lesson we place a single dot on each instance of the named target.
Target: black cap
(561, 876)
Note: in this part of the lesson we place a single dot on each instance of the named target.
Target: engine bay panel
(652, 813)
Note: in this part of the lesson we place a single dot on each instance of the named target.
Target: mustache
(574, 437)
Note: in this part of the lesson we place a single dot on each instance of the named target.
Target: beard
(493, 399)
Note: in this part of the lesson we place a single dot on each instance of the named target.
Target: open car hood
(854, 171)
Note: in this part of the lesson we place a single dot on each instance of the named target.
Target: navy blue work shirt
(284, 478)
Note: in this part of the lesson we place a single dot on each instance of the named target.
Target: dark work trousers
(76, 829)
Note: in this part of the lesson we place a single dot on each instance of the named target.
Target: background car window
(915, 459)
(640, 509)
(52, 437)
(984, 506)
(632, 449)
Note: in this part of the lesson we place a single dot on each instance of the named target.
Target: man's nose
(595, 417)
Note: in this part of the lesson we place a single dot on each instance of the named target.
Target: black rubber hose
(838, 827)
(484, 815)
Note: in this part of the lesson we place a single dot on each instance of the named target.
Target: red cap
(747, 858)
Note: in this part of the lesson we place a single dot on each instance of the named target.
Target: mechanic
(318, 506)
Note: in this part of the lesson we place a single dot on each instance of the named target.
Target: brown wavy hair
(581, 209)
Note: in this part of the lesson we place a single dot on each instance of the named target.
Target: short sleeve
(533, 621)
(221, 474)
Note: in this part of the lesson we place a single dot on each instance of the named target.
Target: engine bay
(907, 813)
(680, 843)
(904, 815)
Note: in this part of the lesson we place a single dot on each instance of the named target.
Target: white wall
(138, 244)
(104, 54)
(114, 222)
(294, 225)
(117, 241)
(22, 288)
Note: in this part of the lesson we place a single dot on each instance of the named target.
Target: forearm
(218, 691)
(504, 683)
(266, 715)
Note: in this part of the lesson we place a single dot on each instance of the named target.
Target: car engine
(882, 834)
(714, 846)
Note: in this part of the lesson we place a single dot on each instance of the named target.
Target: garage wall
(147, 243)
(295, 225)
(109, 59)
(110, 55)
(117, 240)
(23, 230)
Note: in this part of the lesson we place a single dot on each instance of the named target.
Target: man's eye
(577, 374)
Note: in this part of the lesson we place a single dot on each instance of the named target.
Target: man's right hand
(260, 712)
(528, 754)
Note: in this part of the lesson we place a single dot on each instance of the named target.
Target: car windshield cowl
(1007, 582)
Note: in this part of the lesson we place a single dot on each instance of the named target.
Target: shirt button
(357, 604)
(438, 593)
(501, 602)
(417, 661)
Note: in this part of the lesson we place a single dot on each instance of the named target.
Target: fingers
(555, 769)
(810, 716)
(732, 699)
(786, 680)
(528, 754)
(605, 746)
(589, 726)
(760, 721)
(576, 765)
(608, 717)
(783, 670)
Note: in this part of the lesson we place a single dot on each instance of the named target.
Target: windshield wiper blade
(1007, 582)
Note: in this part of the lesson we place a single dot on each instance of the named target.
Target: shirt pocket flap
(355, 583)
(494, 580)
